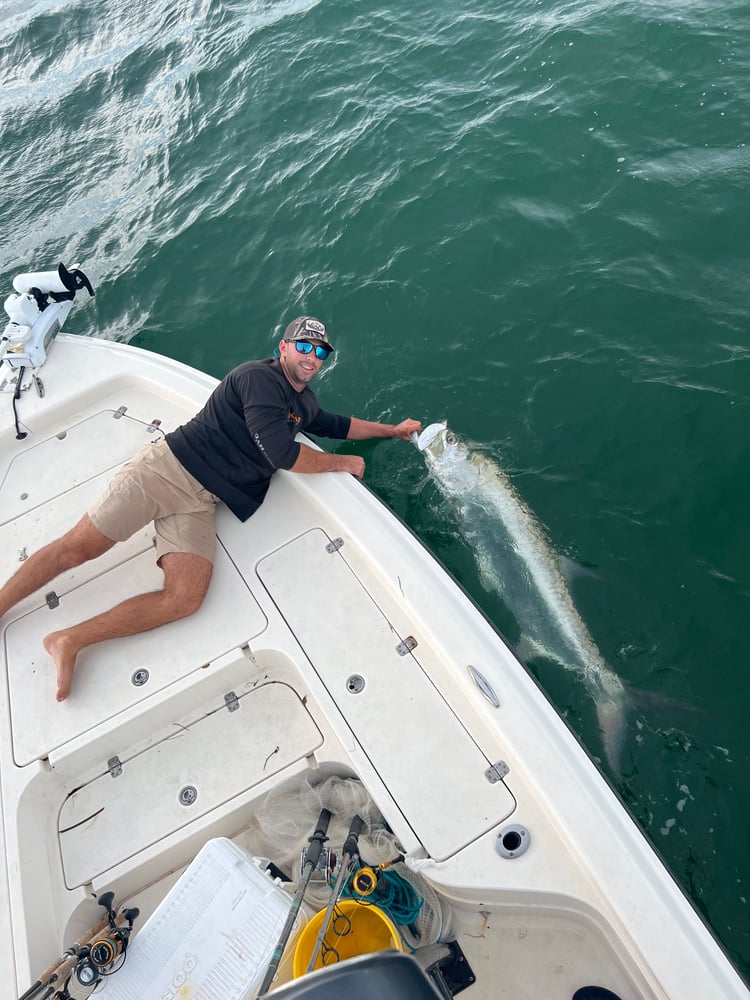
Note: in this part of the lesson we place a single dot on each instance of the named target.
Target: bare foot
(62, 651)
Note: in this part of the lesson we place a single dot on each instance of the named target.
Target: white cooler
(212, 936)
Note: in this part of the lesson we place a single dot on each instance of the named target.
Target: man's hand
(406, 428)
(353, 464)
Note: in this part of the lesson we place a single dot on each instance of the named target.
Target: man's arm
(360, 430)
(310, 460)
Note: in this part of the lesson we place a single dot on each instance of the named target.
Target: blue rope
(394, 894)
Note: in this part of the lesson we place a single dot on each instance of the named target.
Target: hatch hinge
(53, 601)
(114, 765)
(120, 412)
(496, 772)
(335, 545)
(405, 647)
(231, 701)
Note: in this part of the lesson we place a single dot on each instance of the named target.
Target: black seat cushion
(383, 975)
(594, 993)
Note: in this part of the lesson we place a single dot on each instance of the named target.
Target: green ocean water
(528, 219)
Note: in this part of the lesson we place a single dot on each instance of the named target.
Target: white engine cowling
(45, 281)
(36, 312)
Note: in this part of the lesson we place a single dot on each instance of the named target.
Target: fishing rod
(81, 967)
(349, 857)
(312, 857)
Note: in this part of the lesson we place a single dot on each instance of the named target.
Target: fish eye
(450, 438)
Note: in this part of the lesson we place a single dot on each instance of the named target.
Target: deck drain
(355, 684)
(140, 677)
(188, 795)
(512, 841)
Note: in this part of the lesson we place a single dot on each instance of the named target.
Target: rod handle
(352, 839)
(318, 839)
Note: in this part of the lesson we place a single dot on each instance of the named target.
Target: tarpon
(515, 559)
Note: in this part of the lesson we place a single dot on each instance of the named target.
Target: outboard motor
(36, 313)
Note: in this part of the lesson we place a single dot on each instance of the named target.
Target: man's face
(300, 368)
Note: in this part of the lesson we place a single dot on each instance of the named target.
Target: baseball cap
(307, 328)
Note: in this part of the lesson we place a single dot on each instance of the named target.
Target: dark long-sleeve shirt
(246, 431)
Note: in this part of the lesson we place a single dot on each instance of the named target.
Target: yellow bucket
(355, 929)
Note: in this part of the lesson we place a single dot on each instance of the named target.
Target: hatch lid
(106, 676)
(183, 777)
(70, 458)
(431, 765)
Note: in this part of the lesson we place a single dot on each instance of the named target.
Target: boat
(337, 687)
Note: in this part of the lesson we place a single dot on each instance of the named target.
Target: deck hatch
(183, 777)
(84, 450)
(102, 685)
(400, 719)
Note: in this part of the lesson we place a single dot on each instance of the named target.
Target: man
(229, 451)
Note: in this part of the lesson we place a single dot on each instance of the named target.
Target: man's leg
(81, 543)
(186, 580)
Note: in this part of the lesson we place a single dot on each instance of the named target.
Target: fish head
(435, 439)
(431, 437)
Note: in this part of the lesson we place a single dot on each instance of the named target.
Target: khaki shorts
(154, 486)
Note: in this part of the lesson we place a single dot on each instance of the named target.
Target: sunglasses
(303, 347)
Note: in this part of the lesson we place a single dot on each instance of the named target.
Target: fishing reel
(324, 869)
(365, 879)
(99, 956)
